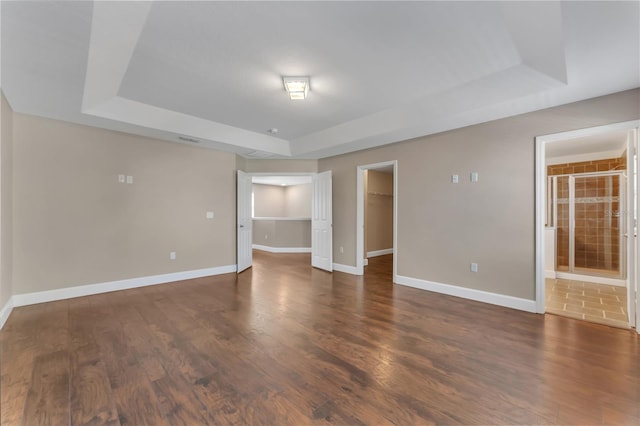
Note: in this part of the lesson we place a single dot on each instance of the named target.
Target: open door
(321, 222)
(245, 233)
(631, 237)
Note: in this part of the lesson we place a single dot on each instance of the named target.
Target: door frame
(540, 208)
(360, 214)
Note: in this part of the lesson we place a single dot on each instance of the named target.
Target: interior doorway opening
(285, 213)
(376, 210)
(586, 221)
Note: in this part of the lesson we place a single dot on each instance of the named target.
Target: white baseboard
(366, 262)
(550, 274)
(345, 268)
(282, 249)
(380, 252)
(87, 290)
(468, 293)
(5, 312)
(591, 279)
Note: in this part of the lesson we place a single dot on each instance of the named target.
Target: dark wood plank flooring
(287, 344)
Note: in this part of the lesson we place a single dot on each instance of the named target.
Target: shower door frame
(622, 222)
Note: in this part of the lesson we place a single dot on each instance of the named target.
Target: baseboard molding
(468, 293)
(591, 279)
(6, 311)
(106, 287)
(348, 269)
(380, 252)
(550, 274)
(366, 262)
(282, 249)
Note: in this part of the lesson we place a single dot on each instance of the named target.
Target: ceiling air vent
(188, 139)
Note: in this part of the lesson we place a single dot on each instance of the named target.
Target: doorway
(320, 218)
(586, 214)
(377, 188)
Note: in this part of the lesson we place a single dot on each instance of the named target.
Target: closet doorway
(376, 221)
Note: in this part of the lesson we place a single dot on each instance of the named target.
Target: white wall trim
(106, 287)
(380, 252)
(348, 269)
(550, 274)
(366, 262)
(468, 293)
(590, 279)
(282, 249)
(6, 311)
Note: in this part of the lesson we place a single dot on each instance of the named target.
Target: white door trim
(360, 215)
(541, 142)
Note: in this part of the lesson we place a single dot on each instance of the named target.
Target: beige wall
(269, 201)
(285, 202)
(74, 224)
(443, 227)
(298, 200)
(378, 211)
(282, 233)
(6, 214)
(282, 201)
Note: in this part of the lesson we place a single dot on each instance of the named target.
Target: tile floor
(604, 304)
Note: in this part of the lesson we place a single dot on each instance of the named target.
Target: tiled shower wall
(597, 211)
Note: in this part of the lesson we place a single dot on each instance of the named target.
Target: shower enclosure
(588, 212)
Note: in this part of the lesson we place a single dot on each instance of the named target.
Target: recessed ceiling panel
(223, 61)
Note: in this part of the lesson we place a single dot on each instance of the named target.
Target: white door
(322, 222)
(631, 229)
(245, 234)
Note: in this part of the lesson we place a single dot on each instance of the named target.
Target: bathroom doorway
(586, 224)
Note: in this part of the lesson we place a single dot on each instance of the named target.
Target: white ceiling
(597, 146)
(380, 72)
(281, 180)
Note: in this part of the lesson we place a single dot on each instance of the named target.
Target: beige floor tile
(600, 303)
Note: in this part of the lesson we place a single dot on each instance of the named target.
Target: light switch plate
(129, 179)
(121, 179)
(454, 178)
(474, 177)
(209, 215)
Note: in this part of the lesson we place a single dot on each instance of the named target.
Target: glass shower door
(598, 246)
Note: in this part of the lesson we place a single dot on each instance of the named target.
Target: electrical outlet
(172, 255)
(209, 215)
(341, 249)
(129, 180)
(474, 267)
(266, 237)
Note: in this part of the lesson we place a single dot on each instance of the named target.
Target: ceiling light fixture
(296, 87)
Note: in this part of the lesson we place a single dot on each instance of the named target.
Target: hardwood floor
(287, 344)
